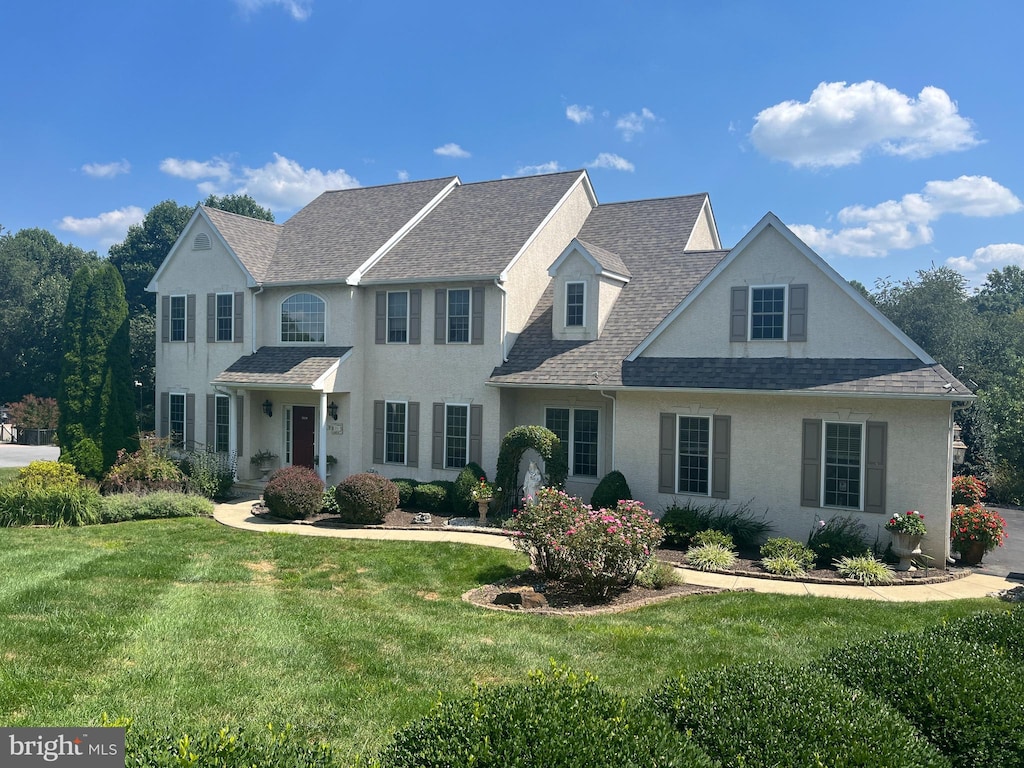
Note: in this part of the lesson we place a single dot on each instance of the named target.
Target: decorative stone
(422, 518)
(521, 597)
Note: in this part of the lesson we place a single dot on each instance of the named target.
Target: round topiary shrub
(612, 489)
(406, 486)
(294, 493)
(365, 498)
(430, 497)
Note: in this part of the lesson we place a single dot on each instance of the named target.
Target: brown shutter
(437, 439)
(440, 315)
(875, 450)
(476, 430)
(378, 431)
(810, 465)
(190, 421)
(211, 421)
(165, 318)
(239, 423)
(667, 453)
(165, 415)
(738, 314)
(720, 449)
(415, 311)
(412, 431)
(239, 307)
(798, 313)
(477, 317)
(211, 317)
(380, 324)
(190, 323)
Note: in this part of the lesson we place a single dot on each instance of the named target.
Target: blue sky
(887, 134)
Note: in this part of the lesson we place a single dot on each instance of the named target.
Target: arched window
(302, 318)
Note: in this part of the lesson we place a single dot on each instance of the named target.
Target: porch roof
(290, 367)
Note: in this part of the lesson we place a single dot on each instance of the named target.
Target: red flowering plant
(910, 522)
(483, 490)
(974, 523)
(968, 490)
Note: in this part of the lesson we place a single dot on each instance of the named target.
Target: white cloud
(403, 175)
(989, 257)
(108, 228)
(195, 169)
(106, 170)
(903, 224)
(551, 166)
(451, 150)
(839, 122)
(299, 10)
(632, 123)
(579, 114)
(609, 160)
(284, 184)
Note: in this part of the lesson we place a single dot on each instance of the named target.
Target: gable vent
(201, 243)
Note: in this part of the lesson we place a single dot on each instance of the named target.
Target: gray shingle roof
(253, 240)
(282, 366)
(476, 231)
(832, 375)
(608, 261)
(649, 237)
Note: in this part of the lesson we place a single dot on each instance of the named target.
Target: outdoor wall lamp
(332, 409)
(268, 408)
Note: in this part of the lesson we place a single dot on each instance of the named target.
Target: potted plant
(974, 531)
(907, 531)
(331, 461)
(482, 493)
(263, 460)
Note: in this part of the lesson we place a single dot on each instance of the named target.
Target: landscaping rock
(521, 598)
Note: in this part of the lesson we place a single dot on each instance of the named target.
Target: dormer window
(575, 301)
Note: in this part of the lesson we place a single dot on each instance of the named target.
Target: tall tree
(243, 205)
(96, 396)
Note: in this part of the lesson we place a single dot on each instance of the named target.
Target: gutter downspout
(498, 283)
(612, 398)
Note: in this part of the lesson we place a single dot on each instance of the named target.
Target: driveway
(1008, 560)
(22, 455)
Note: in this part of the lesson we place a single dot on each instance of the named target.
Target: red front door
(303, 435)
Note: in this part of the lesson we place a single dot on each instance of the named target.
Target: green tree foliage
(35, 274)
(243, 205)
(96, 395)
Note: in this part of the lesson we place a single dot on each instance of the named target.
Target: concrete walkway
(239, 515)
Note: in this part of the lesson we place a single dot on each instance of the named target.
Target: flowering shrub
(975, 523)
(968, 490)
(599, 549)
(910, 522)
(147, 469)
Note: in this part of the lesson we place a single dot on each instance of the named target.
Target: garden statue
(532, 483)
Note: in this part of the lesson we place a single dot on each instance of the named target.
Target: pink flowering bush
(601, 550)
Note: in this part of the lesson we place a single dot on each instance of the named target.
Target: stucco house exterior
(406, 328)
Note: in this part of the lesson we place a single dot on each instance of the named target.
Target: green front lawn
(185, 622)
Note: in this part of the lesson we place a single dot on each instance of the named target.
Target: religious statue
(532, 483)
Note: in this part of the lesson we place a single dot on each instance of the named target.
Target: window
(577, 428)
(178, 318)
(768, 313)
(694, 451)
(458, 316)
(574, 295)
(221, 424)
(394, 432)
(225, 317)
(398, 317)
(456, 436)
(842, 462)
(176, 419)
(303, 318)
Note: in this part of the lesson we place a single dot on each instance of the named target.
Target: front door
(303, 435)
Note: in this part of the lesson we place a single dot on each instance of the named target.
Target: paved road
(1008, 560)
(22, 455)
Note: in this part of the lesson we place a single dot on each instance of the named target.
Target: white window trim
(824, 464)
(566, 315)
(711, 453)
(216, 317)
(468, 428)
(217, 399)
(785, 311)
(448, 316)
(327, 324)
(184, 418)
(572, 436)
(387, 320)
(170, 319)
(405, 433)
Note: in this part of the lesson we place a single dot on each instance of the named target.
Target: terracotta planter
(972, 553)
(906, 547)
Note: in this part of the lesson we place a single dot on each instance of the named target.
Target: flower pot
(906, 546)
(482, 505)
(972, 552)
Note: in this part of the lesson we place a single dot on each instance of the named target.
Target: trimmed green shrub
(764, 714)
(746, 529)
(865, 568)
(843, 536)
(119, 507)
(680, 524)
(406, 486)
(658, 575)
(786, 557)
(294, 493)
(612, 489)
(58, 505)
(1003, 630)
(50, 474)
(430, 497)
(712, 536)
(462, 491)
(710, 557)
(555, 720)
(965, 698)
(365, 498)
(147, 469)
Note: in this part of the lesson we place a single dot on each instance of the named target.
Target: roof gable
(604, 262)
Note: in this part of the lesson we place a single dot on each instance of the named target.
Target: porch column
(321, 439)
(233, 416)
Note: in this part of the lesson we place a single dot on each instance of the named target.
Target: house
(406, 328)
